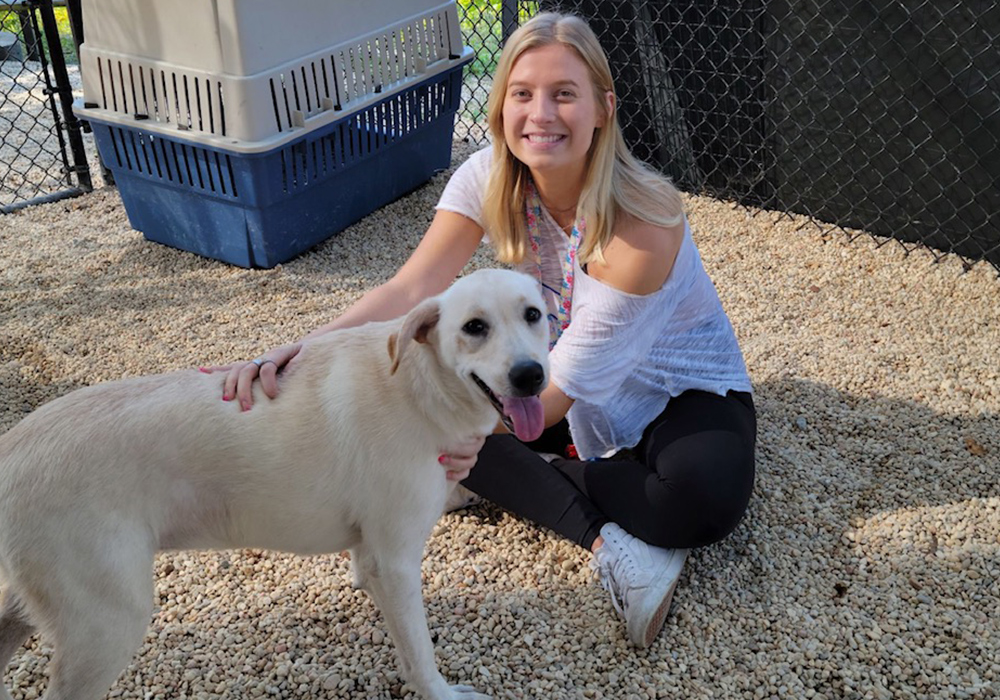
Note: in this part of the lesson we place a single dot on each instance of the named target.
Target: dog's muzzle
(522, 414)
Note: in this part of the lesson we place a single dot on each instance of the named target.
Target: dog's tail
(14, 629)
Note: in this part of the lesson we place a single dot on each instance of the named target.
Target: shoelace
(611, 573)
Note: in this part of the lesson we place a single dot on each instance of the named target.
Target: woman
(642, 354)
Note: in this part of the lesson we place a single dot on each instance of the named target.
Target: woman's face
(550, 111)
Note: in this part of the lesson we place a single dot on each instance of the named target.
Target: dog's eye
(532, 315)
(475, 327)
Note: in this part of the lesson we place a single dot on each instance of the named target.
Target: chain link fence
(485, 26)
(42, 156)
(872, 115)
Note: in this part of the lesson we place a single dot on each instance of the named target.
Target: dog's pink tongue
(526, 414)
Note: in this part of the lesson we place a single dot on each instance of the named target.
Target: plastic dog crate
(255, 169)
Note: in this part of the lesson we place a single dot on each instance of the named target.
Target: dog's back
(166, 451)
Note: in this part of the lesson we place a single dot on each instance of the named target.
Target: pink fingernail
(202, 369)
(442, 459)
(225, 397)
(246, 406)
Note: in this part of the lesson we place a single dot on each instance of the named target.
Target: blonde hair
(616, 181)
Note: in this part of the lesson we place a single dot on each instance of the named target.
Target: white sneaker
(640, 578)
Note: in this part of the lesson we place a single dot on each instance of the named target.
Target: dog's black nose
(526, 377)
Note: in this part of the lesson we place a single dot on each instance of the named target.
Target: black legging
(690, 488)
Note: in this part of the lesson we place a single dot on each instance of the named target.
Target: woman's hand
(241, 375)
(460, 459)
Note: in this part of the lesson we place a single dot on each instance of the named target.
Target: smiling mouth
(497, 404)
(542, 139)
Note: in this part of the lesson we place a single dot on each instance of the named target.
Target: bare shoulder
(640, 256)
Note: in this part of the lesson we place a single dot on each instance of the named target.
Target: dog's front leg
(394, 584)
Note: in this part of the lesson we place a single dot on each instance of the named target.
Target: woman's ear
(609, 109)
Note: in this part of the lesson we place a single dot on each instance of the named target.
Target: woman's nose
(542, 110)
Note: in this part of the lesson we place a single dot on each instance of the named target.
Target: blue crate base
(260, 210)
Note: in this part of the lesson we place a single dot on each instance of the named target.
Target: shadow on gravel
(25, 382)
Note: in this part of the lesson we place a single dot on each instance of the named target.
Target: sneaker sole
(659, 617)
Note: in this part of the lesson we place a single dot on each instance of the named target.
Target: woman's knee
(701, 496)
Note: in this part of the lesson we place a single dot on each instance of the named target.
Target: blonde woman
(642, 353)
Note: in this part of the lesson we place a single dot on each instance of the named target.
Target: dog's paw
(461, 497)
(467, 692)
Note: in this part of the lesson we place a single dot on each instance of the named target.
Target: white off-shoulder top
(623, 355)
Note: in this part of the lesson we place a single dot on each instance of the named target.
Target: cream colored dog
(94, 483)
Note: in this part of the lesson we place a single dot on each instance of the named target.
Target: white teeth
(539, 138)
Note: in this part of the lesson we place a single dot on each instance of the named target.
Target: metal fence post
(508, 18)
(64, 91)
(32, 44)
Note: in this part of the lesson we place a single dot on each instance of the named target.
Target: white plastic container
(249, 132)
(249, 75)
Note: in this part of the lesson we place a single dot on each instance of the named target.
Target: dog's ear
(416, 326)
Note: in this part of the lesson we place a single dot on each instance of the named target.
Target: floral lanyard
(559, 322)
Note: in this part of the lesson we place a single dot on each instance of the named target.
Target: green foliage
(66, 35)
(480, 20)
(482, 30)
(9, 23)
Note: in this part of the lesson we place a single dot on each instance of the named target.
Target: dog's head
(489, 327)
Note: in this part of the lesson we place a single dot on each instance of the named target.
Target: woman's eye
(532, 315)
(475, 327)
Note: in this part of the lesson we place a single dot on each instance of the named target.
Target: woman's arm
(639, 257)
(446, 248)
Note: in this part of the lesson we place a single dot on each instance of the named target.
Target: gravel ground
(867, 566)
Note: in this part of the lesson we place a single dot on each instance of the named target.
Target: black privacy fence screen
(873, 115)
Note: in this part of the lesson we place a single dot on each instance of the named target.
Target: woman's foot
(641, 579)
